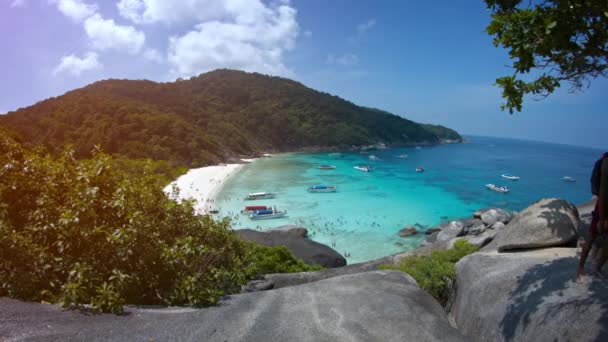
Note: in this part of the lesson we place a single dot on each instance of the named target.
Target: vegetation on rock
(433, 272)
(102, 232)
(208, 119)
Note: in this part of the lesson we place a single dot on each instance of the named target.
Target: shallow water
(363, 218)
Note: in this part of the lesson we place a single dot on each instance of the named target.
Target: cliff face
(209, 118)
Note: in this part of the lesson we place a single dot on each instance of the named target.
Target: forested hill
(209, 118)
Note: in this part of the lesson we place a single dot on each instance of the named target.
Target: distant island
(212, 118)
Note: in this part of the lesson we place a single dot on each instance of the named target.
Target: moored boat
(419, 169)
(322, 188)
(568, 179)
(335, 155)
(403, 156)
(364, 168)
(251, 208)
(509, 177)
(260, 195)
(327, 167)
(498, 188)
(373, 157)
(267, 214)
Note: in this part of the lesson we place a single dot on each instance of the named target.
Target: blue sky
(427, 61)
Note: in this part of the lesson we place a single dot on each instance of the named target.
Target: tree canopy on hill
(552, 41)
(208, 119)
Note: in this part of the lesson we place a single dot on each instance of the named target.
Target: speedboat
(260, 195)
(568, 179)
(267, 214)
(373, 157)
(322, 188)
(327, 167)
(418, 147)
(510, 177)
(498, 188)
(251, 208)
(403, 156)
(364, 168)
(419, 169)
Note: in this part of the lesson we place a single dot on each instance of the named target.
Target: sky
(428, 61)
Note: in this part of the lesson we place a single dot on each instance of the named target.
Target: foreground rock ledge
(529, 296)
(371, 306)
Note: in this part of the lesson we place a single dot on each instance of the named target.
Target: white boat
(568, 179)
(267, 214)
(322, 188)
(373, 157)
(419, 169)
(418, 147)
(498, 188)
(327, 167)
(510, 177)
(403, 156)
(364, 168)
(260, 195)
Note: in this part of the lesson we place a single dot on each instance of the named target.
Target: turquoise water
(363, 218)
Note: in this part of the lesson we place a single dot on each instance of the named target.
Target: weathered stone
(491, 216)
(546, 223)
(372, 306)
(529, 296)
(498, 226)
(407, 231)
(294, 238)
(432, 230)
(476, 230)
(452, 230)
(476, 240)
(431, 239)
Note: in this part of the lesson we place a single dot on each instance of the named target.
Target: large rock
(294, 238)
(450, 231)
(372, 306)
(476, 240)
(408, 231)
(529, 296)
(548, 222)
(491, 216)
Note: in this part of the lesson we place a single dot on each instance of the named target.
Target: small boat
(498, 188)
(214, 211)
(418, 147)
(267, 155)
(267, 214)
(510, 177)
(335, 155)
(327, 167)
(373, 157)
(251, 208)
(419, 169)
(568, 179)
(403, 156)
(364, 168)
(322, 188)
(260, 195)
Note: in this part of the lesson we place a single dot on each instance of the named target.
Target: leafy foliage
(434, 271)
(555, 40)
(87, 232)
(206, 119)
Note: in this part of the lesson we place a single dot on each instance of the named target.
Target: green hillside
(209, 118)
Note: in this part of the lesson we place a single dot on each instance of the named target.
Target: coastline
(204, 184)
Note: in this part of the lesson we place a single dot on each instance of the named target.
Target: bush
(87, 232)
(433, 272)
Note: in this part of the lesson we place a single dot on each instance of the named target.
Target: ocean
(364, 217)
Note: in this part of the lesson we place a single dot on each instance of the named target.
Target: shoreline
(204, 184)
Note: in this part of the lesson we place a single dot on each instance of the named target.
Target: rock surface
(372, 306)
(450, 231)
(548, 222)
(529, 296)
(408, 231)
(489, 217)
(294, 238)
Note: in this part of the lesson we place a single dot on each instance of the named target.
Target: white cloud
(106, 34)
(150, 11)
(74, 65)
(308, 33)
(252, 37)
(77, 10)
(18, 3)
(153, 55)
(366, 26)
(349, 59)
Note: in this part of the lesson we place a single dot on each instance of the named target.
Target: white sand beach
(203, 184)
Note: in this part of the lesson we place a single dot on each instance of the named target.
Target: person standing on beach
(599, 221)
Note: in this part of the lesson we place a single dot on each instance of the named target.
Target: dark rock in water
(408, 231)
(444, 218)
(529, 296)
(372, 306)
(419, 225)
(546, 223)
(432, 230)
(294, 238)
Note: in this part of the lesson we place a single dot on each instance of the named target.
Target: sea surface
(364, 217)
